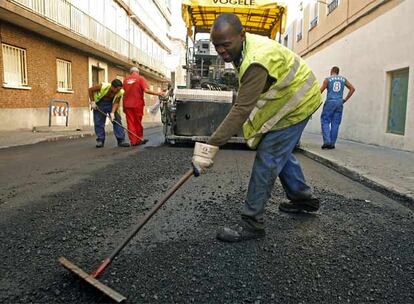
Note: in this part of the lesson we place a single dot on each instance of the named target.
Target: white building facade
(371, 42)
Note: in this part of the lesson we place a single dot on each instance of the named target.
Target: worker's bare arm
(324, 85)
(92, 90)
(154, 93)
(350, 92)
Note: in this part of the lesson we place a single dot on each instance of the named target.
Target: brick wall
(114, 71)
(41, 55)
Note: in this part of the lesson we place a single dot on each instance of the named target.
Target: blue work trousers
(330, 120)
(99, 121)
(275, 158)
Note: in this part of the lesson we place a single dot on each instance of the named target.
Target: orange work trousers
(134, 123)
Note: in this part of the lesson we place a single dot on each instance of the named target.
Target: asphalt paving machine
(193, 113)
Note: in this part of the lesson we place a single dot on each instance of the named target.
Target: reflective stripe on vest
(292, 104)
(293, 97)
(272, 93)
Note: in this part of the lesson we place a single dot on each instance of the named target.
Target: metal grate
(314, 22)
(15, 67)
(333, 4)
(299, 29)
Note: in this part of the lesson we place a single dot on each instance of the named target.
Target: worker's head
(134, 70)
(335, 70)
(116, 85)
(227, 36)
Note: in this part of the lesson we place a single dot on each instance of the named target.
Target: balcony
(332, 6)
(313, 23)
(66, 15)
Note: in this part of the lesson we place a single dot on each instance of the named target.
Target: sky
(177, 27)
(293, 9)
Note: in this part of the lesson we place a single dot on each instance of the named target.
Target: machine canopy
(263, 17)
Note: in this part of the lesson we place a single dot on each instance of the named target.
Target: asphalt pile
(352, 251)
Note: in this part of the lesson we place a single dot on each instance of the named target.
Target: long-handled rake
(92, 278)
(113, 121)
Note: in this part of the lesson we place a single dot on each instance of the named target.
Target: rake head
(117, 297)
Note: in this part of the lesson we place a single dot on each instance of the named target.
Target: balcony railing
(65, 14)
(139, 9)
(332, 5)
(313, 23)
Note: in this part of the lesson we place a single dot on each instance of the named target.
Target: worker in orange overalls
(135, 86)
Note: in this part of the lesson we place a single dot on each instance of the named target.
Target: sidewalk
(45, 134)
(382, 168)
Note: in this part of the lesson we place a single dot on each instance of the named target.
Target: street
(70, 199)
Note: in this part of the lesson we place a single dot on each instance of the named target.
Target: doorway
(98, 75)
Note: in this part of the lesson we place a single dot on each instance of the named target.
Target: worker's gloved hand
(203, 157)
(112, 116)
(93, 105)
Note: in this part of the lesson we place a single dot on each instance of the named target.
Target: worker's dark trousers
(275, 158)
(99, 121)
(331, 118)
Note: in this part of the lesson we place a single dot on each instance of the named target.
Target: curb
(50, 139)
(62, 137)
(66, 137)
(356, 176)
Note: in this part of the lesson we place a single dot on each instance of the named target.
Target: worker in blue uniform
(332, 109)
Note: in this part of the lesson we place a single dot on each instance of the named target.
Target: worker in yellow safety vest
(277, 95)
(104, 100)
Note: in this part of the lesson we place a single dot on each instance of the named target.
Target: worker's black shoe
(325, 146)
(330, 147)
(308, 205)
(242, 231)
(99, 144)
(142, 142)
(123, 144)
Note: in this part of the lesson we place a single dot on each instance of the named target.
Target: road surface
(70, 199)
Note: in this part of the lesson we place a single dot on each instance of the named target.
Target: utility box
(194, 115)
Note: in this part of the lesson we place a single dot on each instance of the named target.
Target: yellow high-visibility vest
(105, 86)
(292, 98)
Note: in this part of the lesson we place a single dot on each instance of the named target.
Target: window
(397, 101)
(299, 23)
(314, 14)
(299, 27)
(64, 75)
(286, 41)
(15, 67)
(331, 6)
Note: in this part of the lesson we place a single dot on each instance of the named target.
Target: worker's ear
(243, 35)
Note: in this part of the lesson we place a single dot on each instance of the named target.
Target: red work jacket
(134, 86)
